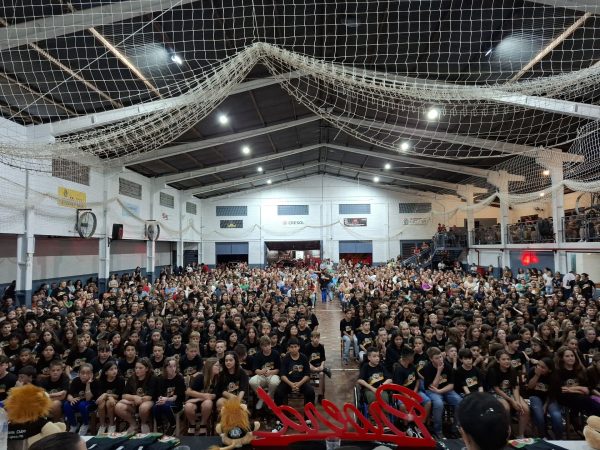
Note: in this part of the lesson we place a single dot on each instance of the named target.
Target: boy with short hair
(127, 364)
(365, 337)
(191, 364)
(266, 364)
(295, 375)
(79, 399)
(467, 377)
(56, 385)
(315, 352)
(438, 377)
(372, 375)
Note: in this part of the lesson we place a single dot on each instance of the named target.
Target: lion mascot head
(234, 425)
(27, 408)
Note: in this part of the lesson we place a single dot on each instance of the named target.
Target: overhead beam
(497, 146)
(207, 143)
(407, 178)
(455, 168)
(168, 179)
(591, 6)
(249, 180)
(551, 46)
(55, 26)
(99, 119)
(391, 187)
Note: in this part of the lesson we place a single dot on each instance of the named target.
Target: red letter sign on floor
(349, 424)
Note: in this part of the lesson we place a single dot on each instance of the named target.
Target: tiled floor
(338, 389)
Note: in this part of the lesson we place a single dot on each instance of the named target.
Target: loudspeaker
(117, 231)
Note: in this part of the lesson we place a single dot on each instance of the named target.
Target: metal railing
(582, 228)
(449, 239)
(533, 231)
(486, 235)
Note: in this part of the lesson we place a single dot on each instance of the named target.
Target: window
(166, 200)
(364, 208)
(191, 208)
(71, 171)
(130, 189)
(414, 208)
(231, 223)
(229, 211)
(292, 210)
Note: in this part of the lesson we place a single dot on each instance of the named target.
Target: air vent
(414, 208)
(130, 189)
(292, 210)
(191, 208)
(363, 208)
(166, 200)
(232, 211)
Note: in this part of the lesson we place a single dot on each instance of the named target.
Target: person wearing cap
(483, 422)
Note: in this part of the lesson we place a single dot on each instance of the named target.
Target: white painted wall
(385, 226)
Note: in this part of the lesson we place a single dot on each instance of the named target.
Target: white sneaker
(145, 428)
(73, 428)
(112, 429)
(101, 429)
(259, 403)
(83, 430)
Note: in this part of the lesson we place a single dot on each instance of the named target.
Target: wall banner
(355, 222)
(71, 198)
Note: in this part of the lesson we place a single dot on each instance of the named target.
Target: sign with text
(355, 222)
(71, 198)
(293, 222)
(348, 423)
(416, 221)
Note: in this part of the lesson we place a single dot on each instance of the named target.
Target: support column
(25, 252)
(104, 242)
(182, 206)
(467, 192)
(500, 180)
(558, 214)
(151, 245)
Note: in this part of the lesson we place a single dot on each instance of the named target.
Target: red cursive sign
(349, 424)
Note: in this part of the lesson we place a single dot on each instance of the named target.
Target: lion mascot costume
(234, 425)
(27, 408)
(592, 432)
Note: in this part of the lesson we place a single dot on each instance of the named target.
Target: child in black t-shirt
(372, 375)
(467, 378)
(56, 385)
(503, 381)
(315, 352)
(79, 399)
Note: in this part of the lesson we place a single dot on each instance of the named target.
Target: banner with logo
(355, 222)
(71, 198)
(416, 221)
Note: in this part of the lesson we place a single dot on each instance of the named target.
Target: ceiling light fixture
(223, 119)
(433, 113)
(376, 179)
(542, 194)
(405, 146)
(546, 172)
(259, 168)
(387, 166)
(177, 59)
(269, 181)
(246, 150)
(489, 52)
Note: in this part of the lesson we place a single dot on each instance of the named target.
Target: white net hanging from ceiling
(454, 80)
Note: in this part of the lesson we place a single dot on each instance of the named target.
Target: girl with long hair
(139, 391)
(169, 396)
(543, 389)
(503, 381)
(108, 389)
(201, 396)
(232, 380)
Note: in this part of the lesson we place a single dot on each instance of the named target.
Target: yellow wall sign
(71, 198)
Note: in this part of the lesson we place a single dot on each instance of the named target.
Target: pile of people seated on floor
(140, 354)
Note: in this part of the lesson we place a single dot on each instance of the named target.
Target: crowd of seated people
(529, 338)
(142, 354)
